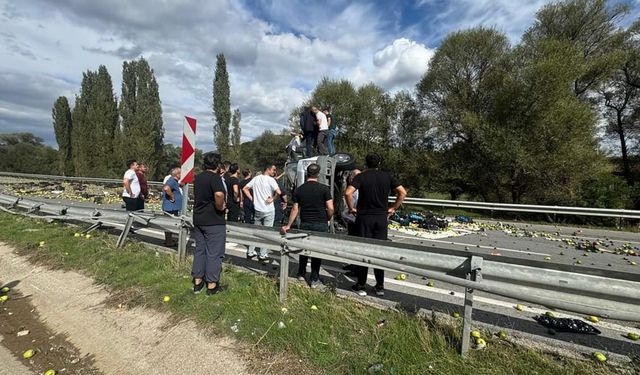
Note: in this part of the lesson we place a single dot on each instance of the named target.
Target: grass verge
(339, 337)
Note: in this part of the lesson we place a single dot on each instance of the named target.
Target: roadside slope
(122, 341)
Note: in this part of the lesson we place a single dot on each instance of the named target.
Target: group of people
(318, 130)
(367, 213)
(221, 195)
(136, 187)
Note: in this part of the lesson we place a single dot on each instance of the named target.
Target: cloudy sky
(276, 51)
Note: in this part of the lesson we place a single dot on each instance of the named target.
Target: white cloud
(401, 64)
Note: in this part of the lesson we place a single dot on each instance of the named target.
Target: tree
(590, 26)
(84, 132)
(25, 153)
(221, 106)
(236, 133)
(62, 126)
(141, 112)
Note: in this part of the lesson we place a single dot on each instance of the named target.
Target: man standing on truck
(308, 127)
(312, 200)
(372, 212)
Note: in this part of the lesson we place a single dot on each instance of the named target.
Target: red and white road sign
(188, 149)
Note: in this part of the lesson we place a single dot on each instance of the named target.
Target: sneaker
(359, 289)
(197, 288)
(264, 259)
(379, 290)
(300, 278)
(213, 291)
(315, 284)
(251, 256)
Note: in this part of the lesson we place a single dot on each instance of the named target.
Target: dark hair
(211, 160)
(268, 166)
(131, 161)
(373, 160)
(328, 109)
(233, 168)
(226, 163)
(313, 170)
(246, 172)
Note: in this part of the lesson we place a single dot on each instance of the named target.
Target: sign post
(186, 173)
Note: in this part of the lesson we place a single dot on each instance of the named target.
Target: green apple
(475, 334)
(166, 299)
(503, 335)
(633, 336)
(599, 357)
(28, 353)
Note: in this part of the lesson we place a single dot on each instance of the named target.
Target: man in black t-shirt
(314, 203)
(373, 211)
(209, 226)
(246, 203)
(233, 193)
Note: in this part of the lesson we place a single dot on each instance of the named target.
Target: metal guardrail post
(184, 233)
(284, 272)
(475, 274)
(125, 231)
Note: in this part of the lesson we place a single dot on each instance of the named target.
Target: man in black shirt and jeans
(209, 230)
(373, 212)
(314, 203)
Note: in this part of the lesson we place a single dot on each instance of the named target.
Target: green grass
(340, 337)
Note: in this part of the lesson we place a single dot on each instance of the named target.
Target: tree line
(553, 119)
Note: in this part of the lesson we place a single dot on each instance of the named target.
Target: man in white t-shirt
(265, 191)
(323, 131)
(131, 193)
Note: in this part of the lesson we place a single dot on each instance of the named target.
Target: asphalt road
(490, 311)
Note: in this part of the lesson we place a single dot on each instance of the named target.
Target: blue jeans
(330, 137)
(264, 219)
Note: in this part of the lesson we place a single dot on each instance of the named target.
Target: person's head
(326, 110)
(176, 173)
(314, 109)
(270, 170)
(313, 170)
(233, 168)
(211, 161)
(246, 173)
(225, 166)
(373, 160)
(354, 173)
(132, 164)
(142, 167)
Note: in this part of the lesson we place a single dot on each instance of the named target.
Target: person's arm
(329, 121)
(236, 193)
(169, 193)
(276, 191)
(292, 218)
(348, 197)
(247, 190)
(127, 186)
(218, 197)
(329, 209)
(401, 193)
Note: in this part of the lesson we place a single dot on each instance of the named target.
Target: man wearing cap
(312, 200)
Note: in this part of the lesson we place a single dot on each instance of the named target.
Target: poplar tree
(141, 112)
(236, 132)
(83, 134)
(221, 106)
(62, 126)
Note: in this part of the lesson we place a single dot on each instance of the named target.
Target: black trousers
(310, 139)
(234, 212)
(133, 204)
(371, 226)
(247, 206)
(315, 262)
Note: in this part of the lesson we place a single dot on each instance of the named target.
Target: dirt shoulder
(117, 340)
